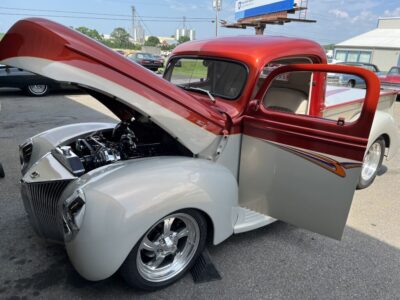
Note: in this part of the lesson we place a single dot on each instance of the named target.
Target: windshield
(144, 55)
(220, 78)
(394, 71)
(370, 68)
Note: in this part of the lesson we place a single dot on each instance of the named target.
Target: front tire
(166, 251)
(372, 163)
(37, 90)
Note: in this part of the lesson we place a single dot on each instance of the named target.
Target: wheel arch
(210, 225)
(131, 196)
(384, 126)
(386, 138)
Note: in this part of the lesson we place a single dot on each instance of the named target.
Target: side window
(317, 94)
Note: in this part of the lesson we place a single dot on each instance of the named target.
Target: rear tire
(351, 84)
(2, 174)
(372, 163)
(166, 251)
(37, 90)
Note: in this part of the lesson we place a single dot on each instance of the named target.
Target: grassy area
(193, 68)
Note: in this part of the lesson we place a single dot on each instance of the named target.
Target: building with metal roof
(380, 46)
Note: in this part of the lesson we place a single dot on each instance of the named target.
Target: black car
(147, 60)
(32, 84)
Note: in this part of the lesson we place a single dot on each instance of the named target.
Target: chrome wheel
(168, 247)
(38, 89)
(371, 161)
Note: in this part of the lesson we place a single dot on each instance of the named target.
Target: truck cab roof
(254, 51)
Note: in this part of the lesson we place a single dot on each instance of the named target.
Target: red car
(391, 80)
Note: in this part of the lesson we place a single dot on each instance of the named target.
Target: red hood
(55, 51)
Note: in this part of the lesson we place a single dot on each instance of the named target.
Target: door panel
(284, 182)
(303, 169)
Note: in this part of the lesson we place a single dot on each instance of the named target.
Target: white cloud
(339, 13)
(364, 16)
(392, 13)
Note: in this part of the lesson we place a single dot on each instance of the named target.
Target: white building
(191, 33)
(380, 46)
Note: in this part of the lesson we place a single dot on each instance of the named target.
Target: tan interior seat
(286, 99)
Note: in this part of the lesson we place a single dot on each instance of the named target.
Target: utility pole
(217, 5)
(133, 23)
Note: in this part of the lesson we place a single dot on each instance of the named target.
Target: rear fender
(384, 124)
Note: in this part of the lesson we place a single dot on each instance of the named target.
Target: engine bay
(127, 140)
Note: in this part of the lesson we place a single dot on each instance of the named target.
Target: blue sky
(337, 20)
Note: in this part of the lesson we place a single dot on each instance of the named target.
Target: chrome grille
(41, 204)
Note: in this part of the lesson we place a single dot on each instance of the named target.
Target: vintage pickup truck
(240, 134)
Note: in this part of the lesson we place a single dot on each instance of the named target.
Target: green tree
(183, 39)
(120, 37)
(167, 47)
(152, 41)
(93, 33)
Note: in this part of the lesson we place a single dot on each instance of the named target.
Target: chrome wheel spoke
(168, 224)
(148, 245)
(182, 233)
(157, 262)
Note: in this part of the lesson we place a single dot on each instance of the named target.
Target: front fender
(125, 199)
(384, 124)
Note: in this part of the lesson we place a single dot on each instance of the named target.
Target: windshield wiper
(191, 88)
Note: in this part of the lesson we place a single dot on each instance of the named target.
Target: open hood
(60, 53)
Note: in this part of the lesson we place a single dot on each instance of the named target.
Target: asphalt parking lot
(278, 261)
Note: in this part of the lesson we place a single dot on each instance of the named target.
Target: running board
(250, 220)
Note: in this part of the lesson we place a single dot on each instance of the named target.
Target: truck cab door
(299, 167)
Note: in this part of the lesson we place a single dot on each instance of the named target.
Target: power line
(144, 24)
(95, 14)
(104, 18)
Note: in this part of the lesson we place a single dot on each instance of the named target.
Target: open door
(296, 165)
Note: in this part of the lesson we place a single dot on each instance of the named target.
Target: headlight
(73, 211)
(25, 152)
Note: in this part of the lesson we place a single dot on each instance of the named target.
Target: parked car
(146, 60)
(209, 154)
(391, 80)
(160, 59)
(350, 80)
(32, 84)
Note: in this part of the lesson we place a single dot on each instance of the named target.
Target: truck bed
(347, 102)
